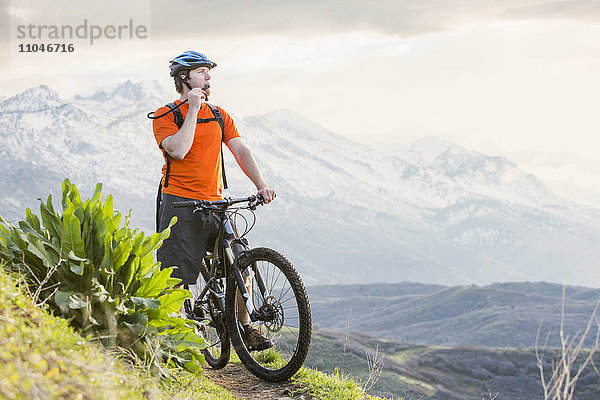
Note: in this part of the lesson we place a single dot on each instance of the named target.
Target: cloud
(301, 18)
(584, 10)
(404, 18)
(4, 21)
(72, 11)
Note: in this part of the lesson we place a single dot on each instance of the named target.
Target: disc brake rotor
(273, 312)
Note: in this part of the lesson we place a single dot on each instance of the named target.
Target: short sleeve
(163, 126)
(229, 129)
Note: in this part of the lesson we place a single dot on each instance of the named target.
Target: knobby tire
(291, 334)
(215, 358)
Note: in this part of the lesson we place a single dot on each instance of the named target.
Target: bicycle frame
(229, 238)
(225, 247)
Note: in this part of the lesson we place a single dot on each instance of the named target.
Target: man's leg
(242, 312)
(253, 338)
(184, 248)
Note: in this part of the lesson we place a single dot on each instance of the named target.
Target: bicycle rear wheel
(210, 323)
(285, 315)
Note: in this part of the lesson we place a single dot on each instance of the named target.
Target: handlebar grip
(188, 203)
(254, 201)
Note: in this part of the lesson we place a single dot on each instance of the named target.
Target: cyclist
(193, 171)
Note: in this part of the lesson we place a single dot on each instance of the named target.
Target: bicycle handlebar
(253, 201)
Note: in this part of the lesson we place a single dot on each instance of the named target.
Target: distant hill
(440, 373)
(498, 315)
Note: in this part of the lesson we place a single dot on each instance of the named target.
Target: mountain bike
(260, 279)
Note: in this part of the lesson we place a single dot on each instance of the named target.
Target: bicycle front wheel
(279, 297)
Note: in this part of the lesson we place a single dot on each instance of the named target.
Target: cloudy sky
(518, 78)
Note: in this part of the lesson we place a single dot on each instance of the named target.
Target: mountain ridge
(499, 315)
(346, 212)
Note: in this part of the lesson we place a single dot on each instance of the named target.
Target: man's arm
(246, 161)
(179, 144)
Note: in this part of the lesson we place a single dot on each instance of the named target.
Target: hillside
(49, 360)
(43, 358)
(441, 373)
(498, 315)
(346, 212)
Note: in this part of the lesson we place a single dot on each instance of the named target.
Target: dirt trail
(245, 386)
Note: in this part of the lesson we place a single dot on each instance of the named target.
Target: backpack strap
(178, 119)
(219, 118)
(158, 203)
(177, 115)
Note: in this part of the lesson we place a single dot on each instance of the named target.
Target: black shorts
(190, 237)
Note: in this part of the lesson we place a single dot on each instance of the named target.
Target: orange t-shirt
(198, 176)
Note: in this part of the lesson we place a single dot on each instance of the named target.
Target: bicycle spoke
(288, 340)
(275, 280)
(284, 317)
(283, 294)
(291, 333)
(286, 300)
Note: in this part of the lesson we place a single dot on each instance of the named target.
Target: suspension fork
(232, 260)
(237, 275)
(260, 281)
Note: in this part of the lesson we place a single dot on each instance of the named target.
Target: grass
(334, 386)
(187, 386)
(270, 358)
(42, 357)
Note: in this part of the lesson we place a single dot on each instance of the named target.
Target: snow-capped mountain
(345, 212)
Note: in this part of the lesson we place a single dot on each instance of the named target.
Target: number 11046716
(46, 48)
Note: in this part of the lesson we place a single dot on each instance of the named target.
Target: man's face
(199, 78)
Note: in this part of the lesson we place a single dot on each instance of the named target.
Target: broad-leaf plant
(102, 276)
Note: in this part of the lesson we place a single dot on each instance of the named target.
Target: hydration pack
(178, 118)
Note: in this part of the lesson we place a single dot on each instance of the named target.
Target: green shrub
(102, 276)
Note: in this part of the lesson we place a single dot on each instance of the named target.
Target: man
(193, 171)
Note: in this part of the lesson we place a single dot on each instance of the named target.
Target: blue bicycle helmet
(190, 60)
